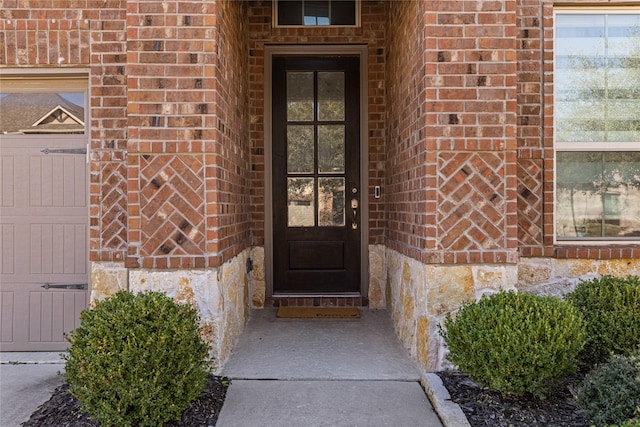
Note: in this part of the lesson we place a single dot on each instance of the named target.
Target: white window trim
(276, 24)
(587, 146)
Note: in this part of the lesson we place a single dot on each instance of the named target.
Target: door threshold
(347, 299)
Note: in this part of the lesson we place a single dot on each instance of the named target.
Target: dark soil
(63, 410)
(484, 408)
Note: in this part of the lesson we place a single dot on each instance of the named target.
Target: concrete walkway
(323, 372)
(285, 372)
(27, 380)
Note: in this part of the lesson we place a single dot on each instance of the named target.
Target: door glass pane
(300, 198)
(331, 148)
(331, 95)
(299, 96)
(42, 113)
(331, 202)
(299, 148)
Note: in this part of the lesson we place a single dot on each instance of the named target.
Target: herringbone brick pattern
(172, 205)
(530, 201)
(471, 209)
(113, 208)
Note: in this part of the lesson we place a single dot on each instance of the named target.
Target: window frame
(49, 81)
(573, 146)
(276, 24)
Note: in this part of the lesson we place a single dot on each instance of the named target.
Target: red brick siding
(83, 33)
(473, 65)
(534, 38)
(452, 128)
(229, 192)
(370, 33)
(460, 123)
(187, 121)
(108, 205)
(410, 182)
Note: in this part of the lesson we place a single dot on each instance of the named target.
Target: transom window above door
(314, 13)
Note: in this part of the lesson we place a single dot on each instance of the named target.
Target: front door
(316, 175)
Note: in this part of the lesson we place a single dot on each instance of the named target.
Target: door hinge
(79, 286)
(64, 151)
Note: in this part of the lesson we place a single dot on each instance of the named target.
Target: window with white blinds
(597, 125)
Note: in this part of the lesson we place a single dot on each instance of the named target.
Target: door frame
(359, 51)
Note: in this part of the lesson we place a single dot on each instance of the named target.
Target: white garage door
(44, 238)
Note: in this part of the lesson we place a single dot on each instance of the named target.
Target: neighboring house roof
(39, 113)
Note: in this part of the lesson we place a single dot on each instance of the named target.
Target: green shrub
(611, 308)
(137, 360)
(515, 342)
(611, 392)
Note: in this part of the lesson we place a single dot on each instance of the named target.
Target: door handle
(354, 218)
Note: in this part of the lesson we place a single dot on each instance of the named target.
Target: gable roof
(38, 112)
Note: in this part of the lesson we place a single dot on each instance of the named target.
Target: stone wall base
(550, 276)
(418, 296)
(220, 294)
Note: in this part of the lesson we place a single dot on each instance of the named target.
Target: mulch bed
(484, 408)
(63, 410)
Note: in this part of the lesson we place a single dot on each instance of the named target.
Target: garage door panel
(38, 310)
(7, 181)
(44, 232)
(6, 316)
(58, 248)
(54, 314)
(54, 181)
(7, 250)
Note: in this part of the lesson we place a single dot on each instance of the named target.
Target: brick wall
(87, 34)
(459, 92)
(230, 163)
(410, 169)
(108, 168)
(188, 149)
(534, 38)
(453, 161)
(370, 33)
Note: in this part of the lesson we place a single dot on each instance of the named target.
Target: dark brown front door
(316, 175)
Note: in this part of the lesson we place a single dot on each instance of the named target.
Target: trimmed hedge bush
(611, 392)
(611, 308)
(137, 360)
(515, 342)
(632, 423)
